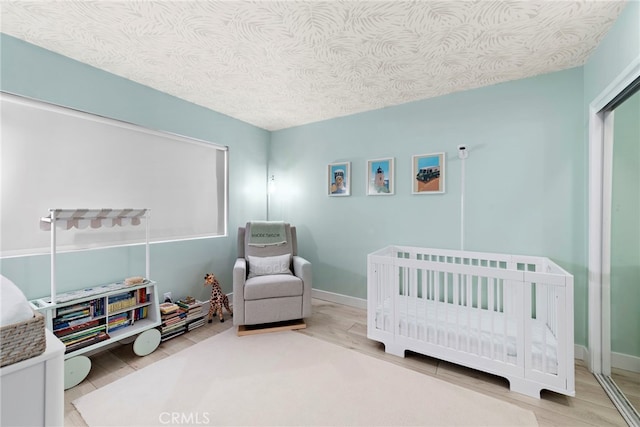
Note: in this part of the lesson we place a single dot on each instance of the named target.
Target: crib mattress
(480, 332)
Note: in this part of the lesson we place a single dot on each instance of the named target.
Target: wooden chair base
(289, 325)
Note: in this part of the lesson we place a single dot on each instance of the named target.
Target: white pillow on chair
(262, 266)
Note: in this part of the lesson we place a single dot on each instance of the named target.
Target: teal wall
(179, 266)
(525, 180)
(625, 229)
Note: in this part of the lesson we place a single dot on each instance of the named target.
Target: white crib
(508, 315)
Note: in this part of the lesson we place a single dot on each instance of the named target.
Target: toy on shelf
(218, 298)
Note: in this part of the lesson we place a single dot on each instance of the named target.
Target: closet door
(624, 258)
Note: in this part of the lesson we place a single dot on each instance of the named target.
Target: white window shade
(54, 157)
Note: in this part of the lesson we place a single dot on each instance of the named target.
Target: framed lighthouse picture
(380, 177)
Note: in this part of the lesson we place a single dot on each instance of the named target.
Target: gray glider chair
(271, 283)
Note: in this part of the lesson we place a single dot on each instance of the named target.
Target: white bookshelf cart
(88, 319)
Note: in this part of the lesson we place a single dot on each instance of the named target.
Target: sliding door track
(618, 398)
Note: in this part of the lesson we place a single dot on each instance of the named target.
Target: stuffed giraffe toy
(218, 298)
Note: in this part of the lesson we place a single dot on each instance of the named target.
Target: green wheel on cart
(76, 370)
(146, 342)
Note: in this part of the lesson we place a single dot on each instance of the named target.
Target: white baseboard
(339, 299)
(618, 360)
(581, 352)
(626, 362)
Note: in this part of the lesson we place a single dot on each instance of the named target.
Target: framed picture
(428, 173)
(339, 179)
(380, 177)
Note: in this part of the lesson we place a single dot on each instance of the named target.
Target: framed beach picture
(428, 173)
(339, 179)
(380, 177)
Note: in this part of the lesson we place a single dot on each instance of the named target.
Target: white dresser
(32, 391)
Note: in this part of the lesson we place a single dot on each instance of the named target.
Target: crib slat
(433, 307)
(492, 283)
(545, 289)
(469, 285)
(445, 291)
(395, 301)
(505, 323)
(405, 289)
(437, 305)
(412, 330)
(423, 289)
(456, 310)
(479, 313)
(528, 324)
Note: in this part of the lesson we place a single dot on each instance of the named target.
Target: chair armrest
(239, 278)
(302, 269)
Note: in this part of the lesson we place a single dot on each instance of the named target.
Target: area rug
(287, 379)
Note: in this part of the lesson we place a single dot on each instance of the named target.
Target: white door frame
(600, 164)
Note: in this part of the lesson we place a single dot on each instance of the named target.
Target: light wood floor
(629, 383)
(347, 327)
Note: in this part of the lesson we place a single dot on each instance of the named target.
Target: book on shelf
(195, 324)
(119, 321)
(121, 326)
(177, 318)
(198, 310)
(73, 308)
(177, 313)
(97, 307)
(173, 321)
(121, 304)
(74, 315)
(194, 316)
(171, 324)
(168, 307)
(189, 304)
(171, 335)
(73, 329)
(114, 325)
(82, 335)
(86, 343)
(120, 297)
(169, 328)
(193, 308)
(122, 315)
(141, 313)
(141, 295)
(60, 324)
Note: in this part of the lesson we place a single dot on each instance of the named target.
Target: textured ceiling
(286, 63)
